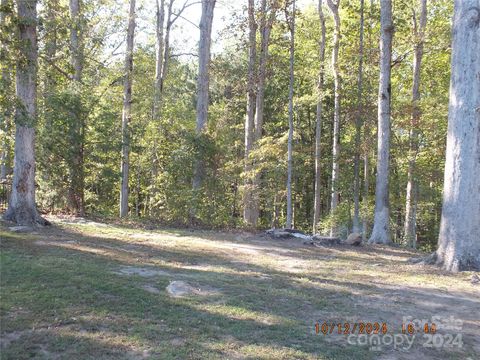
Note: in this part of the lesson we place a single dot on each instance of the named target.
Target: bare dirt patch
(140, 271)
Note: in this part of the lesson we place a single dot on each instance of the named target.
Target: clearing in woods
(83, 289)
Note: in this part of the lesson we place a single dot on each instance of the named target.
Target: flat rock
(180, 288)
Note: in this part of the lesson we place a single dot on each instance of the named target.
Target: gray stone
(180, 288)
(354, 239)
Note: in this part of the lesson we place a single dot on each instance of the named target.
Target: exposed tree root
(455, 266)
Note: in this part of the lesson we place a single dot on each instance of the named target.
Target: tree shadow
(257, 305)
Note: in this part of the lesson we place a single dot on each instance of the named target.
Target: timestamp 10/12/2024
(369, 328)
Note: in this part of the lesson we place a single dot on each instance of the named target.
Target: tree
(203, 82)
(76, 162)
(22, 208)
(358, 129)
(459, 241)
(291, 25)
(381, 225)
(160, 18)
(127, 108)
(336, 117)
(318, 119)
(250, 116)
(411, 198)
(5, 87)
(162, 53)
(266, 23)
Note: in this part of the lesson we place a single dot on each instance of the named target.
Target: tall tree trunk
(459, 239)
(318, 122)
(22, 208)
(5, 112)
(203, 82)
(160, 17)
(336, 116)
(266, 23)
(250, 116)
(366, 188)
(166, 51)
(126, 114)
(291, 24)
(410, 228)
(381, 225)
(77, 181)
(358, 129)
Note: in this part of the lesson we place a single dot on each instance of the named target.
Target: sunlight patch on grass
(240, 313)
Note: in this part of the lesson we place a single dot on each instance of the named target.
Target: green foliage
(164, 149)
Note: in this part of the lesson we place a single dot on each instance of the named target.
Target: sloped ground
(83, 289)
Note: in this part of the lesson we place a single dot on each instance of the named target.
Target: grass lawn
(89, 290)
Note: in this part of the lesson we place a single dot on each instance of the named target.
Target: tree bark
(381, 226)
(366, 188)
(166, 52)
(250, 116)
(5, 113)
(159, 56)
(203, 83)
(459, 238)
(126, 114)
(22, 208)
(358, 129)
(291, 25)
(318, 122)
(410, 228)
(77, 180)
(336, 116)
(266, 23)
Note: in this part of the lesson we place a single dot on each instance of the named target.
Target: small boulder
(181, 288)
(354, 239)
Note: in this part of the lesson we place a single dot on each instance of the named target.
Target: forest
(326, 119)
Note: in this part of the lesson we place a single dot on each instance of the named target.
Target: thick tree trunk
(160, 16)
(77, 180)
(5, 112)
(250, 116)
(126, 114)
(22, 208)
(336, 115)
(318, 122)
(203, 83)
(291, 25)
(381, 225)
(266, 23)
(358, 129)
(459, 238)
(410, 228)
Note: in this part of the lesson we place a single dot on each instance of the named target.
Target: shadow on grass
(67, 290)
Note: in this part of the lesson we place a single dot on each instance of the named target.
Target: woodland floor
(91, 290)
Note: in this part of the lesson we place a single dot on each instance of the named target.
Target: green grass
(62, 296)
